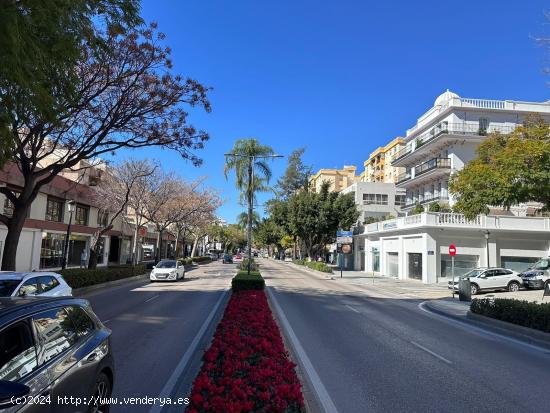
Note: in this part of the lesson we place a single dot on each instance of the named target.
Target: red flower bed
(247, 369)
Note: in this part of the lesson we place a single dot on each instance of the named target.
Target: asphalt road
(374, 352)
(153, 325)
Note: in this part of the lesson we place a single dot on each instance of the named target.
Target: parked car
(266, 255)
(227, 259)
(167, 270)
(237, 258)
(22, 284)
(538, 275)
(489, 279)
(53, 348)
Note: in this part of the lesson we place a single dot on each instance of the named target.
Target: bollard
(464, 290)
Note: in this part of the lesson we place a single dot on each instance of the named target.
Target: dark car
(52, 350)
(227, 259)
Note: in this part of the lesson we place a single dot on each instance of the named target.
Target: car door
(494, 279)
(19, 362)
(56, 339)
(77, 372)
(485, 280)
(29, 287)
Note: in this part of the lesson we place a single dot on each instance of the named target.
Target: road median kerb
(515, 330)
(115, 283)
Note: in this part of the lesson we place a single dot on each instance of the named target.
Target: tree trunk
(92, 263)
(15, 226)
(134, 247)
(194, 250)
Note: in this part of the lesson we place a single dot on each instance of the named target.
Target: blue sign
(344, 233)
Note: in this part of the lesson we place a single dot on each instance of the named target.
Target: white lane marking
(351, 308)
(168, 388)
(482, 331)
(322, 394)
(152, 298)
(427, 350)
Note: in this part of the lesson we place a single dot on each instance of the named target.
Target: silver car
(26, 284)
(485, 279)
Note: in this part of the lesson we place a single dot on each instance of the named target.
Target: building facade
(445, 138)
(376, 199)
(379, 167)
(338, 179)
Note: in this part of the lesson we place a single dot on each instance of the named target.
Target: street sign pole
(453, 272)
(341, 264)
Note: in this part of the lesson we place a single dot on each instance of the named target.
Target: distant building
(379, 168)
(338, 179)
(376, 200)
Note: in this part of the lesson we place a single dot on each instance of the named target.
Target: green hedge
(83, 277)
(244, 265)
(523, 313)
(314, 265)
(201, 260)
(185, 261)
(243, 281)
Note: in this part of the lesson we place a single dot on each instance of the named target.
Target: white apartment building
(376, 199)
(443, 140)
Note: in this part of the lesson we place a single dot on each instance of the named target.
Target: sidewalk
(449, 306)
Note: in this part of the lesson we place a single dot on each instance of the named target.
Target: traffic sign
(452, 250)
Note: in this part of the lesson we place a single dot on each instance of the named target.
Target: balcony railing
(445, 128)
(427, 200)
(433, 163)
(402, 177)
(443, 219)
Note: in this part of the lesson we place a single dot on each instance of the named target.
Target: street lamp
(251, 160)
(70, 208)
(487, 233)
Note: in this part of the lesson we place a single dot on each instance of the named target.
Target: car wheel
(474, 289)
(513, 287)
(151, 281)
(102, 391)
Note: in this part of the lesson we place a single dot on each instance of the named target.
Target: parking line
(168, 388)
(427, 350)
(152, 298)
(322, 394)
(352, 309)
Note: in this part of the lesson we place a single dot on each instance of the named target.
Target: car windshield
(7, 287)
(166, 264)
(542, 265)
(473, 273)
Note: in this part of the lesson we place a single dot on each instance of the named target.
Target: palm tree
(242, 220)
(248, 160)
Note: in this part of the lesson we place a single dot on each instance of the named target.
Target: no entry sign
(452, 250)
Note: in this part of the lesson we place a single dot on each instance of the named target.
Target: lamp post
(70, 208)
(487, 233)
(250, 191)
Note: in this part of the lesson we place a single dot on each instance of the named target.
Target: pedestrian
(83, 258)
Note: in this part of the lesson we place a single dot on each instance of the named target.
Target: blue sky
(340, 78)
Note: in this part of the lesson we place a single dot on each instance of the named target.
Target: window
(29, 287)
(51, 253)
(102, 219)
(7, 287)
(54, 210)
(81, 215)
(400, 200)
(8, 207)
(81, 320)
(483, 125)
(17, 352)
(55, 333)
(376, 199)
(47, 283)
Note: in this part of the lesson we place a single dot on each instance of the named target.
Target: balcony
(433, 168)
(402, 177)
(438, 137)
(427, 200)
(452, 220)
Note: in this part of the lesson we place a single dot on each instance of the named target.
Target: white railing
(483, 103)
(449, 218)
(372, 227)
(413, 219)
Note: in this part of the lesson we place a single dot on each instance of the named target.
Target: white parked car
(167, 270)
(25, 284)
(485, 279)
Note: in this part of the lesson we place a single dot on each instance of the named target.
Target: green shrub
(523, 313)
(83, 277)
(244, 265)
(185, 261)
(243, 281)
(201, 260)
(314, 265)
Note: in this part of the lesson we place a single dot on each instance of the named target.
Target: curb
(115, 283)
(311, 271)
(520, 332)
(501, 327)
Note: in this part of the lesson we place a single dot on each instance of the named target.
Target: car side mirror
(10, 391)
(154, 266)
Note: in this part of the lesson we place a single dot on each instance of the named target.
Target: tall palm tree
(242, 220)
(248, 159)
